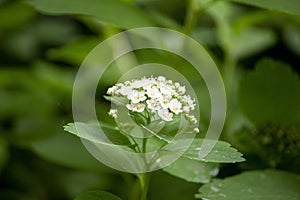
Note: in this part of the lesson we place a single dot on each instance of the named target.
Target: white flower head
(153, 104)
(165, 115)
(165, 101)
(175, 106)
(158, 97)
(161, 79)
(137, 107)
(137, 96)
(181, 90)
(112, 90)
(113, 113)
(153, 92)
(125, 90)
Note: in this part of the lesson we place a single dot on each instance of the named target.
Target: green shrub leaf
(66, 150)
(91, 132)
(262, 185)
(110, 11)
(270, 94)
(290, 6)
(221, 152)
(192, 170)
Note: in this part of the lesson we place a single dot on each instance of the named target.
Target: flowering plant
(152, 100)
(155, 98)
(156, 124)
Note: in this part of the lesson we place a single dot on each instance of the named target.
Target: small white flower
(165, 101)
(125, 90)
(191, 118)
(189, 102)
(161, 79)
(137, 96)
(153, 104)
(166, 89)
(113, 113)
(196, 130)
(181, 90)
(175, 106)
(139, 83)
(138, 107)
(153, 92)
(165, 115)
(112, 90)
(127, 83)
(186, 109)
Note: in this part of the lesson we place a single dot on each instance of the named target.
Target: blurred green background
(42, 44)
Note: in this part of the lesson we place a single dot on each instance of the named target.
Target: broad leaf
(66, 150)
(292, 38)
(192, 170)
(97, 195)
(221, 152)
(252, 41)
(239, 43)
(290, 6)
(15, 15)
(92, 133)
(75, 52)
(270, 94)
(121, 101)
(262, 185)
(111, 11)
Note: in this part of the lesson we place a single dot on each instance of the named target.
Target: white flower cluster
(162, 97)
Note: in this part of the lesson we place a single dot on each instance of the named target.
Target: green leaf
(221, 152)
(121, 101)
(270, 94)
(91, 132)
(66, 150)
(97, 195)
(235, 41)
(252, 41)
(292, 38)
(163, 20)
(16, 14)
(290, 6)
(262, 185)
(115, 12)
(74, 52)
(192, 170)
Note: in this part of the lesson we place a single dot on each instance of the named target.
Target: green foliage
(91, 132)
(107, 11)
(192, 170)
(97, 195)
(42, 44)
(241, 43)
(66, 150)
(292, 38)
(271, 94)
(264, 185)
(221, 152)
(290, 7)
(14, 15)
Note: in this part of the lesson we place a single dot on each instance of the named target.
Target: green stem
(191, 17)
(144, 180)
(229, 75)
(192, 14)
(144, 148)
